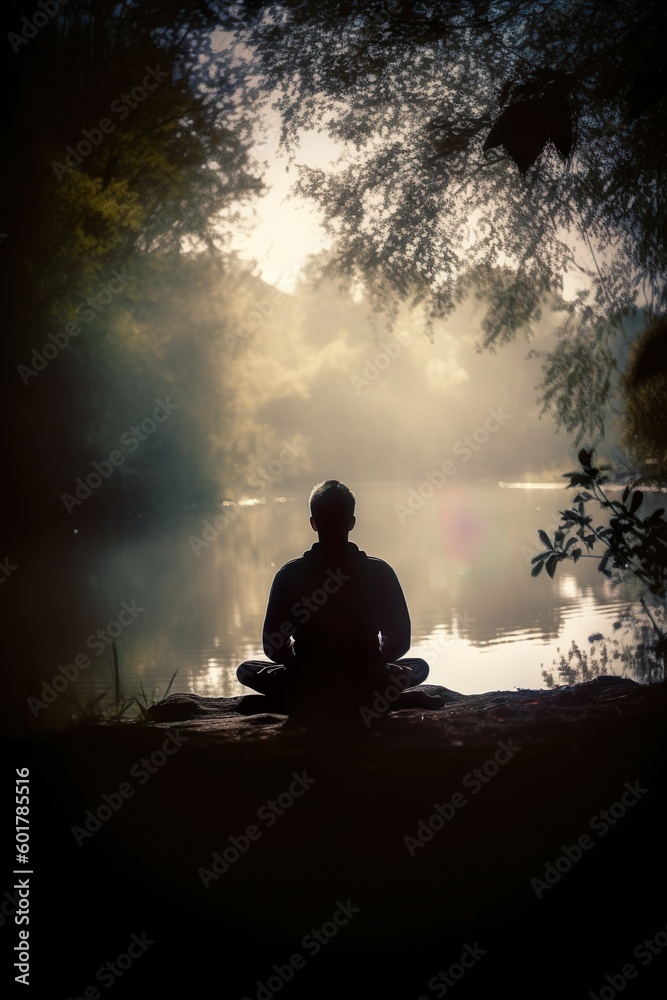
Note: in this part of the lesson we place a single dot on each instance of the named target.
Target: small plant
(143, 703)
(606, 655)
(630, 543)
(578, 666)
(93, 711)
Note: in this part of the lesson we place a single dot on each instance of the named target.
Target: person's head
(331, 510)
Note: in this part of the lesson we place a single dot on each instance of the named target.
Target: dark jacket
(331, 604)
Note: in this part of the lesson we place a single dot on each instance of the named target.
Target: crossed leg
(286, 684)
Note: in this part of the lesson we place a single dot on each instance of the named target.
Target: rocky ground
(505, 843)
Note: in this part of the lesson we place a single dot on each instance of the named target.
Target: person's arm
(395, 629)
(277, 624)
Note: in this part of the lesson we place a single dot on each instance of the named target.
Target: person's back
(336, 618)
(333, 602)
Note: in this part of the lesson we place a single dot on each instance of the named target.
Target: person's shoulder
(374, 563)
(296, 566)
(380, 567)
(291, 565)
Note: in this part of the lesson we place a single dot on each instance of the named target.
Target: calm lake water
(463, 559)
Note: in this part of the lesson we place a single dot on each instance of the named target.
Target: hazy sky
(285, 229)
(300, 366)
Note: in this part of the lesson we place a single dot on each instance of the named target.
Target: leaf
(537, 569)
(585, 458)
(173, 678)
(559, 121)
(544, 538)
(522, 130)
(636, 501)
(603, 563)
(551, 564)
(525, 126)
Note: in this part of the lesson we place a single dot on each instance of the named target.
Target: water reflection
(463, 559)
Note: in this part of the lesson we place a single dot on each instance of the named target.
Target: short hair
(332, 505)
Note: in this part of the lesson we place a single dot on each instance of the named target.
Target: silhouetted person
(336, 622)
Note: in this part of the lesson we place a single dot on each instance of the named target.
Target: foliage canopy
(497, 143)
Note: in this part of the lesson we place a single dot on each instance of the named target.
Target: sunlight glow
(568, 587)
(531, 486)
(286, 230)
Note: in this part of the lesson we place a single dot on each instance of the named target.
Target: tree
(130, 130)
(488, 144)
(130, 133)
